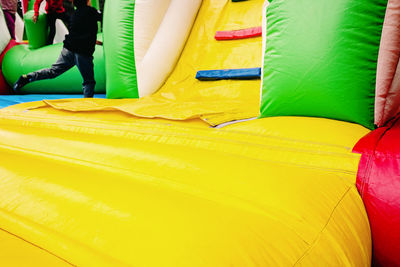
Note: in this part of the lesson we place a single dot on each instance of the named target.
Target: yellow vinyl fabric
(15, 251)
(119, 191)
(182, 96)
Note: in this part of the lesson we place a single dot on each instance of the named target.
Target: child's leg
(51, 23)
(64, 17)
(64, 62)
(85, 66)
(10, 20)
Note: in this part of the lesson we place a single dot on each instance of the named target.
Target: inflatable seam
(224, 139)
(323, 229)
(161, 127)
(37, 246)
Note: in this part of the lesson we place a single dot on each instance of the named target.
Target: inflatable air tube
(37, 32)
(320, 59)
(21, 60)
(143, 45)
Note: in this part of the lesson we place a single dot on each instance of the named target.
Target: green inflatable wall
(321, 59)
(24, 60)
(119, 49)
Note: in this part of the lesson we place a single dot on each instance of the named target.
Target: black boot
(21, 82)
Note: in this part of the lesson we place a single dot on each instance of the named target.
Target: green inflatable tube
(37, 32)
(21, 60)
(31, 4)
(119, 49)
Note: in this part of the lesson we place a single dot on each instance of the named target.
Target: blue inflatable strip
(9, 100)
(229, 74)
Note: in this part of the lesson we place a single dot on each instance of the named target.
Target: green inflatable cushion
(321, 57)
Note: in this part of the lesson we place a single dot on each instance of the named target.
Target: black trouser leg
(65, 61)
(51, 23)
(86, 68)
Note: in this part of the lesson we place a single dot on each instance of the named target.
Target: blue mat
(229, 74)
(9, 100)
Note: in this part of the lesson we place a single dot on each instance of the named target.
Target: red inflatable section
(238, 34)
(378, 182)
(25, 5)
(4, 88)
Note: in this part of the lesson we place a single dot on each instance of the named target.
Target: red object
(52, 6)
(378, 182)
(25, 5)
(5, 89)
(238, 34)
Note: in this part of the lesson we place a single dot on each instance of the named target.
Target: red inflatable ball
(378, 182)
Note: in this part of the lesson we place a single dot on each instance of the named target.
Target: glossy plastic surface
(37, 32)
(321, 59)
(15, 251)
(118, 49)
(144, 44)
(100, 189)
(378, 182)
(167, 44)
(105, 188)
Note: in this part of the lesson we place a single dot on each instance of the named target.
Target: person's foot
(21, 82)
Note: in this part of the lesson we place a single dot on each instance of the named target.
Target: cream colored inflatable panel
(155, 65)
(19, 28)
(148, 16)
(4, 33)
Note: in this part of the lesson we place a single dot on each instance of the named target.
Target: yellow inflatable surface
(15, 251)
(182, 96)
(106, 188)
(121, 191)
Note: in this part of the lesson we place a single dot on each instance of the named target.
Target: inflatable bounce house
(185, 161)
